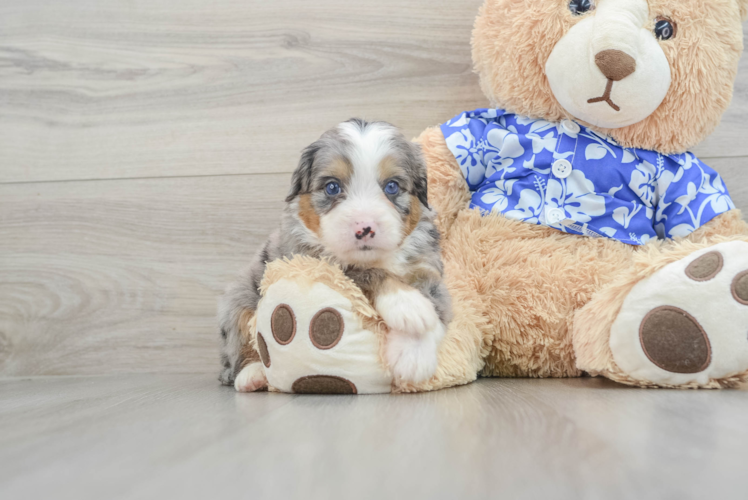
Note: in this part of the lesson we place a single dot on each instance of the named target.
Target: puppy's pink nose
(365, 230)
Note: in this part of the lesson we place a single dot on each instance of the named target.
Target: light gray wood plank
(729, 137)
(123, 276)
(94, 89)
(104, 89)
(181, 436)
(734, 172)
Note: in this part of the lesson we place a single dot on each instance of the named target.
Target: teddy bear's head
(653, 74)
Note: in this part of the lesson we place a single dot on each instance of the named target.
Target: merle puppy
(358, 198)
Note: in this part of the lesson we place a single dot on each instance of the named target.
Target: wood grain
(179, 436)
(95, 89)
(123, 276)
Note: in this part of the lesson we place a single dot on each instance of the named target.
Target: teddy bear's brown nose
(615, 64)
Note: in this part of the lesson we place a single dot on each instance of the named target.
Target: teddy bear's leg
(678, 317)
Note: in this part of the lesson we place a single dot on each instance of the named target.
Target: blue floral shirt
(573, 179)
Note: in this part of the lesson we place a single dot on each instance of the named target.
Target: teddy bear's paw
(687, 324)
(251, 378)
(413, 358)
(408, 311)
(312, 341)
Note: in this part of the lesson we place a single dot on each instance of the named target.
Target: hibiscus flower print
(643, 183)
(628, 194)
(576, 195)
(500, 150)
(497, 197)
(529, 208)
(469, 156)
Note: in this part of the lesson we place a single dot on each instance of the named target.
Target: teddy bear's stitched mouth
(606, 97)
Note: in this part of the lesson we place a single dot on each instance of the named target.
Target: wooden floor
(179, 436)
(145, 150)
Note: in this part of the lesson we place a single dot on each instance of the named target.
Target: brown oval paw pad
(323, 384)
(740, 288)
(283, 324)
(326, 328)
(705, 267)
(263, 348)
(673, 340)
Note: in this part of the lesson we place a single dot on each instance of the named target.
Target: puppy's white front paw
(251, 378)
(413, 358)
(407, 311)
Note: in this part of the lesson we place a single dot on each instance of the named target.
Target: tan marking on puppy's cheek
(414, 217)
(307, 214)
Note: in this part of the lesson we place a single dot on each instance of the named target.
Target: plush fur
(531, 301)
(512, 41)
(358, 198)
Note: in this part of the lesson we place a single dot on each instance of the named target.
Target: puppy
(358, 198)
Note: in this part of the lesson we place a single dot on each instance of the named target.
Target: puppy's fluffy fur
(358, 198)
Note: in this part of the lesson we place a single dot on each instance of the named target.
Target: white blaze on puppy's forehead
(364, 206)
(368, 147)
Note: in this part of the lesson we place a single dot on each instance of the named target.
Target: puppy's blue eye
(392, 188)
(332, 189)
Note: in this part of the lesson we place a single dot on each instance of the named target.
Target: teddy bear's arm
(448, 191)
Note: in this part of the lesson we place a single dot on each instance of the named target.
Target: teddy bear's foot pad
(323, 384)
(673, 340)
(687, 324)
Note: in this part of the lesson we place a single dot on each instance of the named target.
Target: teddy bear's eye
(579, 7)
(665, 29)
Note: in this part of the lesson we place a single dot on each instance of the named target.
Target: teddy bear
(579, 234)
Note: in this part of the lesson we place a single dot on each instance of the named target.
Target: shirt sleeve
(469, 137)
(690, 195)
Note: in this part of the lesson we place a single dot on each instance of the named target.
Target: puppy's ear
(301, 181)
(417, 167)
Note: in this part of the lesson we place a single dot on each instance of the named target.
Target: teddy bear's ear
(743, 4)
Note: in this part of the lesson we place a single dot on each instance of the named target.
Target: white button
(555, 215)
(570, 127)
(562, 169)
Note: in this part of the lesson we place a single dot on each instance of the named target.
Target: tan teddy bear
(578, 233)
